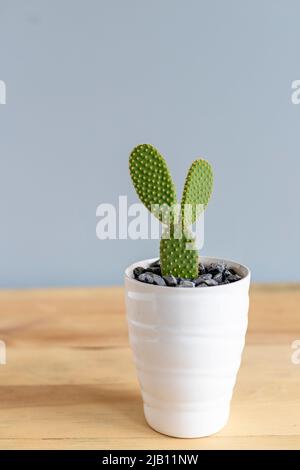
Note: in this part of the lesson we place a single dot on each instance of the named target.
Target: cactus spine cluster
(155, 188)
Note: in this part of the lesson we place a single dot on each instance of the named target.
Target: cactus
(155, 188)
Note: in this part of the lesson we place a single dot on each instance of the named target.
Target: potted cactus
(187, 317)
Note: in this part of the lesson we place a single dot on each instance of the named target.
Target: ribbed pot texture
(187, 345)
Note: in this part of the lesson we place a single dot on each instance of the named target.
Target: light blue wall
(87, 80)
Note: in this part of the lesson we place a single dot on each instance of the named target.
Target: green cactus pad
(197, 190)
(152, 179)
(178, 256)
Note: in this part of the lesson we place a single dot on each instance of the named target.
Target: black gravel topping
(214, 274)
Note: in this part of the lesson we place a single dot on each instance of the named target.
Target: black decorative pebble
(227, 273)
(215, 274)
(146, 277)
(171, 281)
(186, 283)
(154, 270)
(202, 278)
(233, 278)
(158, 280)
(202, 269)
(211, 282)
(216, 268)
(137, 271)
(219, 278)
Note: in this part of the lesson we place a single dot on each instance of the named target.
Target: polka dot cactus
(155, 188)
(179, 256)
(152, 180)
(197, 190)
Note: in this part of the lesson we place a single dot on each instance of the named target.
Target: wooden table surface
(70, 383)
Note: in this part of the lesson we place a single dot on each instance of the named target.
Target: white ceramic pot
(187, 345)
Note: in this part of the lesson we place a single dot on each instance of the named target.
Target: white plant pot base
(187, 345)
(187, 424)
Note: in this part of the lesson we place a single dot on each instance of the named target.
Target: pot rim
(240, 268)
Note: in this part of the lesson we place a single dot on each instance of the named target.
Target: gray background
(87, 80)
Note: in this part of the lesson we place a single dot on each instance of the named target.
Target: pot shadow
(78, 402)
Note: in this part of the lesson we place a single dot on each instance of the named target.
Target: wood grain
(69, 381)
